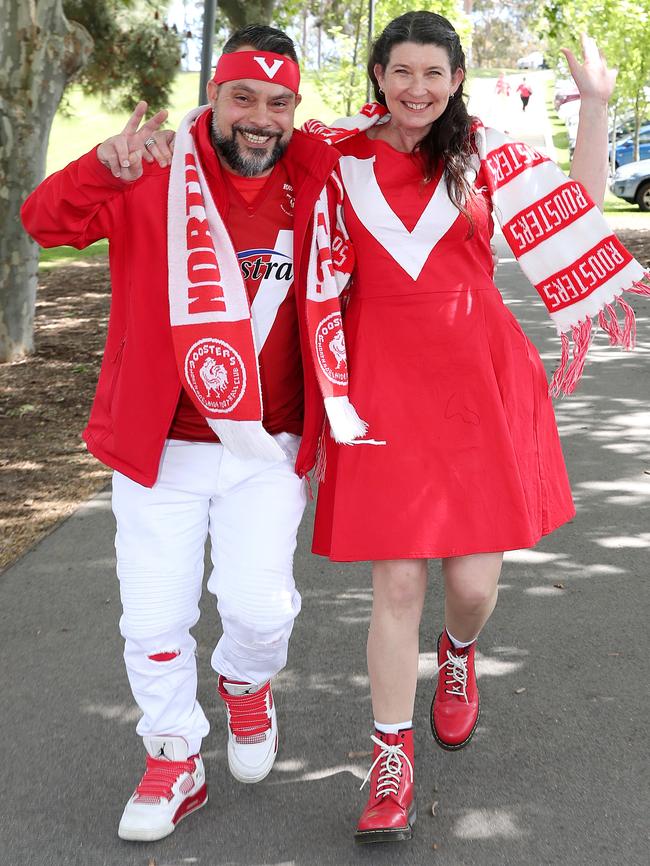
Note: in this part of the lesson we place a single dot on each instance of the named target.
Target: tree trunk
(39, 52)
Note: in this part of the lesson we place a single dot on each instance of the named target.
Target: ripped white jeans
(251, 510)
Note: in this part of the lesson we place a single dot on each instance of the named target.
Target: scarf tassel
(608, 321)
(628, 332)
(320, 466)
(568, 374)
(555, 386)
(345, 423)
(641, 288)
(247, 439)
(569, 371)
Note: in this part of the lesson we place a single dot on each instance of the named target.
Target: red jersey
(260, 223)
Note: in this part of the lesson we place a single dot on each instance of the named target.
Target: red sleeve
(72, 207)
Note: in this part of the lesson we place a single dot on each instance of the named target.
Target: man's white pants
(251, 510)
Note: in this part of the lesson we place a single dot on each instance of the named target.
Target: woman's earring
(381, 90)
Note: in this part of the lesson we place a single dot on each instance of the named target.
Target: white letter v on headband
(270, 70)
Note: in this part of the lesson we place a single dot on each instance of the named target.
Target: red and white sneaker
(252, 729)
(390, 812)
(173, 786)
(455, 706)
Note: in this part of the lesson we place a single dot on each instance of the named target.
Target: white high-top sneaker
(252, 729)
(173, 786)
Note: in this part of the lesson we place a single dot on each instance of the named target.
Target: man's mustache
(254, 130)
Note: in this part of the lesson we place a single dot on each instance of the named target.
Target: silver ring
(149, 142)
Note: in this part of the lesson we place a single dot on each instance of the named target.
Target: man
(209, 404)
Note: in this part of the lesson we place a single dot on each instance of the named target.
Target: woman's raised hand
(592, 77)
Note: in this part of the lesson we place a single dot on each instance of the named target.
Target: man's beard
(247, 163)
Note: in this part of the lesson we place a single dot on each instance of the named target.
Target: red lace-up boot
(252, 729)
(390, 813)
(172, 787)
(455, 705)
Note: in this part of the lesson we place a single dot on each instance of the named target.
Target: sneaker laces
(456, 675)
(248, 715)
(159, 777)
(390, 770)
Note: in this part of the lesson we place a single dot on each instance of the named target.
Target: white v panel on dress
(409, 249)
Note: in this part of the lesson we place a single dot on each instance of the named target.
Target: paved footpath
(557, 773)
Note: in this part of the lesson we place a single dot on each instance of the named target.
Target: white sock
(459, 644)
(394, 729)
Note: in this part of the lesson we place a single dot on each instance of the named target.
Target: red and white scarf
(557, 234)
(210, 315)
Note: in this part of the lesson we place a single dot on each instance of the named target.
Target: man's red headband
(260, 65)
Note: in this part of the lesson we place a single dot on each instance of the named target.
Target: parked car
(625, 146)
(534, 60)
(565, 91)
(631, 182)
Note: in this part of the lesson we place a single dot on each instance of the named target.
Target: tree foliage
(502, 31)
(121, 49)
(242, 12)
(136, 54)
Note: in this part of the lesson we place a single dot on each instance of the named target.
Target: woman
(464, 459)
(525, 92)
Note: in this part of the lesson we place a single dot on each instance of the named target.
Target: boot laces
(158, 779)
(456, 677)
(248, 716)
(390, 768)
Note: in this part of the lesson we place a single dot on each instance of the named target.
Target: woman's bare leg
(399, 588)
(470, 592)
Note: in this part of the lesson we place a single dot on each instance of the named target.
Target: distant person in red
(525, 92)
(502, 86)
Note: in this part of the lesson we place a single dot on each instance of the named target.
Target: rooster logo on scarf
(214, 376)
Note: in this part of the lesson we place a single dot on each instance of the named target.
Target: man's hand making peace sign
(122, 154)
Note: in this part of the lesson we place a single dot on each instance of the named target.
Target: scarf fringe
(344, 421)
(569, 371)
(628, 332)
(555, 385)
(608, 321)
(641, 288)
(572, 371)
(247, 439)
(320, 467)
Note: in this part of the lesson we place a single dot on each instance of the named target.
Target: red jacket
(139, 386)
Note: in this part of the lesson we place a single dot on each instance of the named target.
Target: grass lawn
(64, 255)
(559, 131)
(476, 72)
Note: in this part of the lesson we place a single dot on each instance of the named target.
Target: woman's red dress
(444, 375)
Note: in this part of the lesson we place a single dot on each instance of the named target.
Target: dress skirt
(472, 461)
